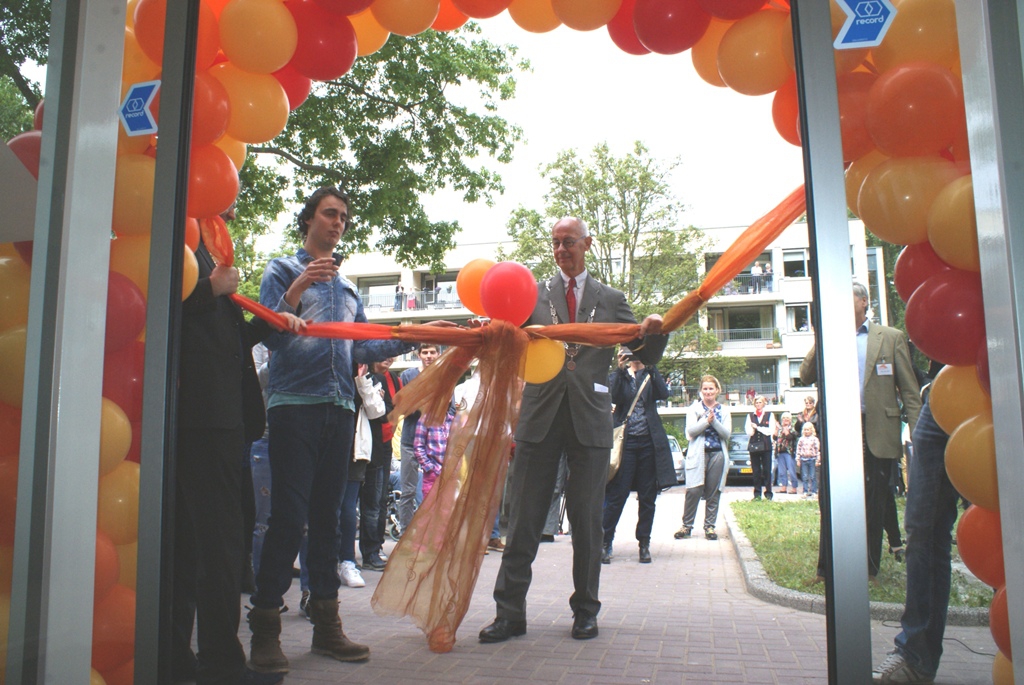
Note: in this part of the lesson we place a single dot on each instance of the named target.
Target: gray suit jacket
(589, 397)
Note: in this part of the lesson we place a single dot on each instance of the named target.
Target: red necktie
(570, 299)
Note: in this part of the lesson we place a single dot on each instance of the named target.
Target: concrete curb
(761, 586)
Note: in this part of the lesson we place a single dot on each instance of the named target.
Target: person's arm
(723, 427)
(373, 402)
(906, 381)
(419, 444)
(748, 426)
(658, 386)
(695, 421)
(809, 367)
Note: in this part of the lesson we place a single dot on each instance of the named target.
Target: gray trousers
(410, 475)
(714, 462)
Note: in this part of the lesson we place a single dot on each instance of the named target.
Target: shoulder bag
(619, 434)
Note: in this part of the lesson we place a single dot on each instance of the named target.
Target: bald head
(570, 241)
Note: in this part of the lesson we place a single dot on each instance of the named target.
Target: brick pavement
(686, 618)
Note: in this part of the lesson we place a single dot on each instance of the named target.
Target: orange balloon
(113, 629)
(1002, 670)
(191, 233)
(999, 622)
(212, 182)
(853, 91)
(122, 675)
(845, 60)
(6, 569)
(915, 109)
(922, 30)
(971, 461)
(107, 566)
(855, 175)
(585, 15)
(118, 511)
(129, 255)
(8, 502)
(705, 53)
(979, 540)
(751, 58)
(897, 195)
(236, 150)
(535, 16)
(150, 17)
(481, 9)
(127, 559)
(956, 396)
(136, 67)
(130, 17)
(467, 284)
(406, 17)
(5, 612)
(258, 35)
(115, 436)
(10, 433)
(259, 104)
(12, 365)
(211, 109)
(190, 274)
(15, 277)
(953, 227)
(132, 145)
(134, 177)
(449, 17)
(370, 35)
(786, 112)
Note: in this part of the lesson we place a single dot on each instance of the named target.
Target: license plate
(746, 470)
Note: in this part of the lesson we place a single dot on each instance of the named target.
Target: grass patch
(785, 538)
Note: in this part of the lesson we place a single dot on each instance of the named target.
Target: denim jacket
(317, 367)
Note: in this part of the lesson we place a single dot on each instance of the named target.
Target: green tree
(15, 114)
(24, 37)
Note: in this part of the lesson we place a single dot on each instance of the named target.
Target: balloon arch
(908, 177)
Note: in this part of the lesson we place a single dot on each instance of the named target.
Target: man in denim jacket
(311, 421)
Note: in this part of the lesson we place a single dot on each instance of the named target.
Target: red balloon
(979, 539)
(508, 291)
(731, 10)
(999, 622)
(621, 30)
(135, 451)
(24, 248)
(26, 147)
(786, 112)
(211, 109)
(345, 7)
(914, 265)
(327, 42)
(669, 26)
(212, 181)
(915, 109)
(296, 86)
(37, 118)
(122, 379)
(981, 366)
(10, 432)
(108, 568)
(126, 311)
(481, 9)
(113, 629)
(853, 103)
(8, 500)
(945, 317)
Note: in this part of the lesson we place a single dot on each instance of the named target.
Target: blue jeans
(809, 475)
(931, 512)
(349, 521)
(259, 463)
(310, 447)
(787, 470)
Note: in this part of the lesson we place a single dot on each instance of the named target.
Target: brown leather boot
(265, 648)
(328, 637)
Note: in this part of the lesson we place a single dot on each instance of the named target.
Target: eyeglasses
(567, 243)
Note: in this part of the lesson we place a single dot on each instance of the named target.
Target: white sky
(584, 90)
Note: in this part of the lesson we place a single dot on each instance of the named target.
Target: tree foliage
(15, 114)
(24, 37)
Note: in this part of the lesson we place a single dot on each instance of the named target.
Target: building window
(794, 263)
(794, 373)
(378, 292)
(798, 318)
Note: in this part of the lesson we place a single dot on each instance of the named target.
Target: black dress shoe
(584, 626)
(546, 537)
(606, 554)
(502, 629)
(645, 554)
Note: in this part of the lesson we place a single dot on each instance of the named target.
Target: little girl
(808, 457)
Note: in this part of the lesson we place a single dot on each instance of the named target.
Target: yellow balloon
(133, 194)
(971, 461)
(129, 255)
(95, 678)
(8, 250)
(190, 274)
(130, 18)
(705, 53)
(1002, 670)
(896, 196)
(5, 615)
(115, 436)
(12, 365)
(259, 105)
(118, 511)
(136, 67)
(542, 360)
(952, 226)
(132, 145)
(855, 175)
(370, 35)
(15, 278)
(258, 35)
(236, 150)
(406, 17)
(128, 560)
(535, 16)
(922, 30)
(751, 58)
(957, 395)
(585, 15)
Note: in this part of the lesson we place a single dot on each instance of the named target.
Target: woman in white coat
(708, 426)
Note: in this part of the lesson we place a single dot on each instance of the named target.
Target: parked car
(739, 459)
(678, 456)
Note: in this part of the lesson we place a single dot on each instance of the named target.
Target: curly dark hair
(309, 209)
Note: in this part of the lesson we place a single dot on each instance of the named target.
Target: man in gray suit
(570, 413)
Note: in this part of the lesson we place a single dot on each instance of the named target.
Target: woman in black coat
(646, 457)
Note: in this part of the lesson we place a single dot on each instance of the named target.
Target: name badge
(883, 369)
(600, 388)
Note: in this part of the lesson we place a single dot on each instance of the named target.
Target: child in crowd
(787, 469)
(808, 458)
(429, 445)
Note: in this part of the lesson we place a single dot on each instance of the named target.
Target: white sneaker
(895, 669)
(350, 575)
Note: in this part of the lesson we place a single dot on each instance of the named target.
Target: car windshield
(738, 442)
(673, 444)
